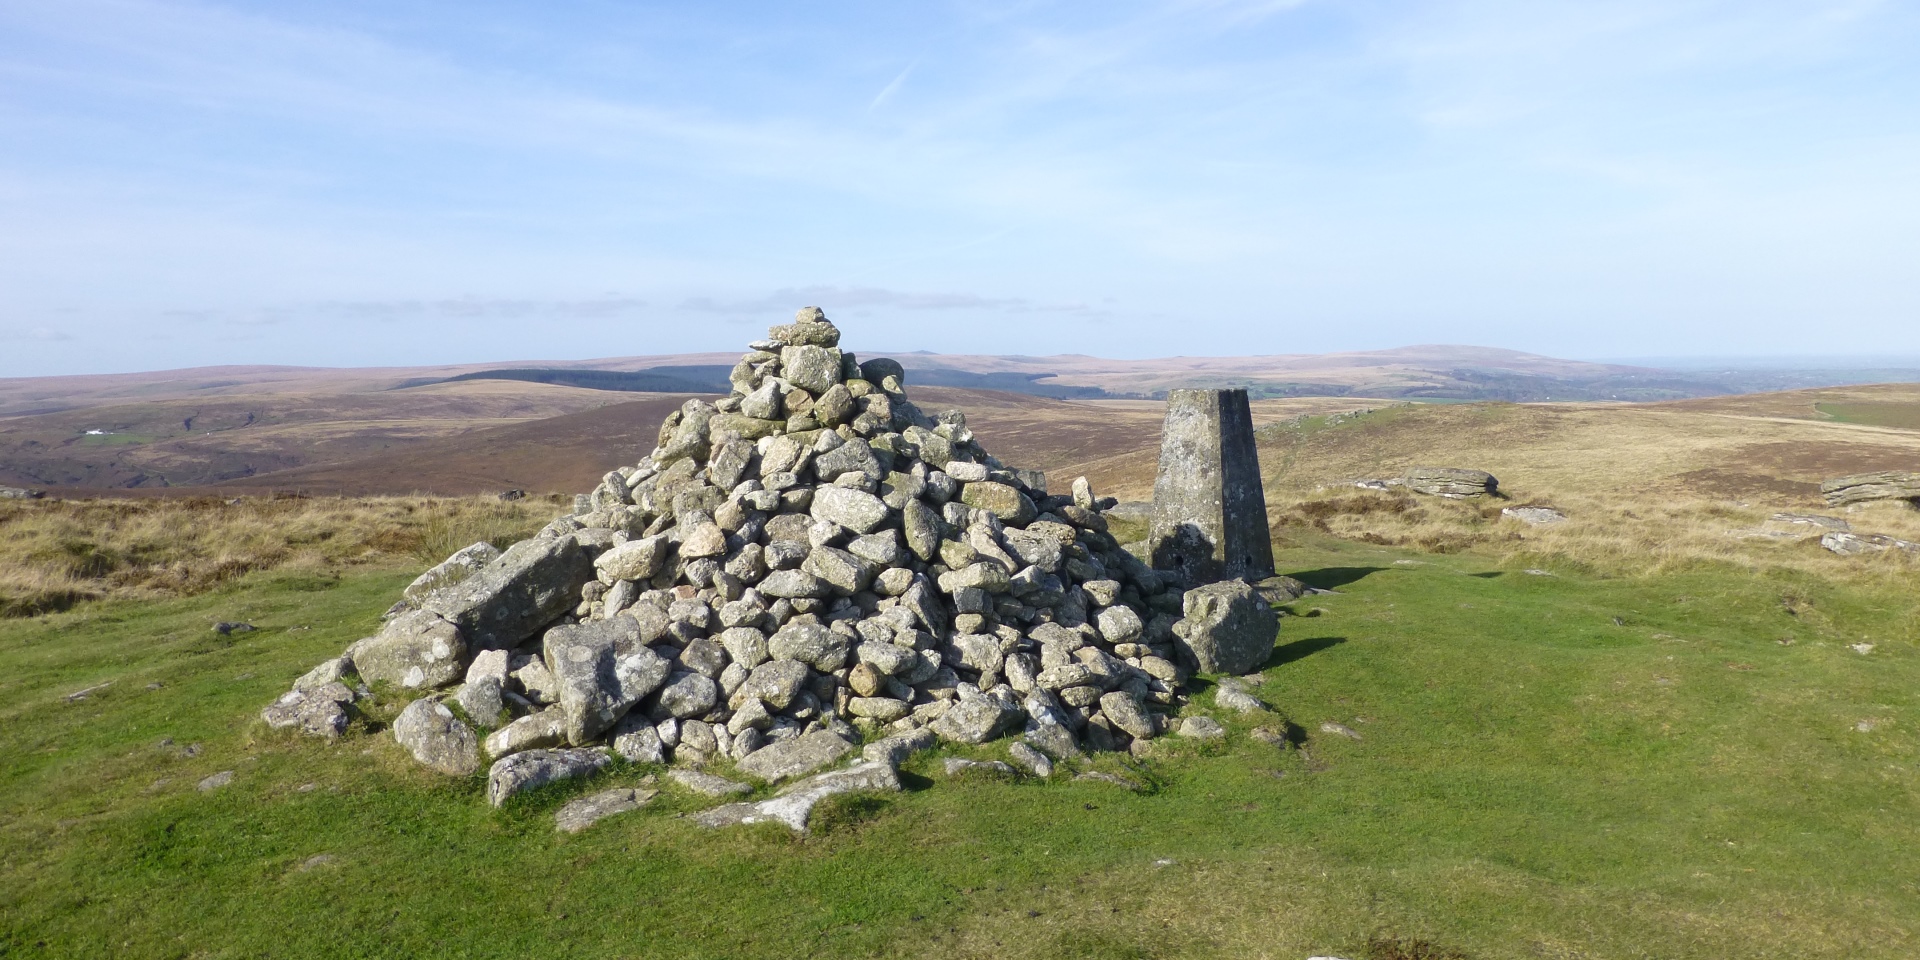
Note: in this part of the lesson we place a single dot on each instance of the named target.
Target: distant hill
(551, 427)
(1427, 372)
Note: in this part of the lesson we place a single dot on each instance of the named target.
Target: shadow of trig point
(1209, 513)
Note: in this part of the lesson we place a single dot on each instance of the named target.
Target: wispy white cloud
(893, 86)
(36, 334)
(853, 298)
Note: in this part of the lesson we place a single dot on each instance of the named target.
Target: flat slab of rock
(452, 570)
(1538, 516)
(1805, 520)
(1853, 544)
(1868, 487)
(957, 766)
(1450, 482)
(1098, 776)
(1202, 728)
(587, 811)
(536, 768)
(708, 785)
(794, 805)
(794, 758)
(505, 601)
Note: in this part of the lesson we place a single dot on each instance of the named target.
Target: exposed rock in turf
(1807, 520)
(708, 785)
(1868, 487)
(1538, 516)
(1853, 544)
(794, 805)
(1101, 776)
(536, 768)
(589, 810)
(958, 766)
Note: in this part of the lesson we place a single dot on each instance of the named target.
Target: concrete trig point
(1209, 512)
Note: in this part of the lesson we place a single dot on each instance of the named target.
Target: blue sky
(356, 183)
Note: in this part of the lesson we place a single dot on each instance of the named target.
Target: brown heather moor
(56, 553)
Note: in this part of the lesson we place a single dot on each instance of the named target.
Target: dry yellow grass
(56, 553)
(1646, 487)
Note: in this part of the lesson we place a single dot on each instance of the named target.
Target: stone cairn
(807, 563)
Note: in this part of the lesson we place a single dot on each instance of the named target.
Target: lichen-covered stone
(1228, 628)
(1210, 511)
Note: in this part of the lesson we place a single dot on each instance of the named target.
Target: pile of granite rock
(807, 563)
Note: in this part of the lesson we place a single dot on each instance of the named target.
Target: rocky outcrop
(1453, 483)
(1853, 544)
(1869, 487)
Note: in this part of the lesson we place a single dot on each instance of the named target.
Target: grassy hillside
(1552, 763)
(1669, 727)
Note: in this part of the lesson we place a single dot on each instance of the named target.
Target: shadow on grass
(1299, 650)
(1327, 578)
(1488, 574)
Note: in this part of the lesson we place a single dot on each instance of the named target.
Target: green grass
(1905, 416)
(1551, 766)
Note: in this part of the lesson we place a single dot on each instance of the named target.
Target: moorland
(1671, 726)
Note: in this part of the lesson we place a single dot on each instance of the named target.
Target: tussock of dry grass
(54, 554)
